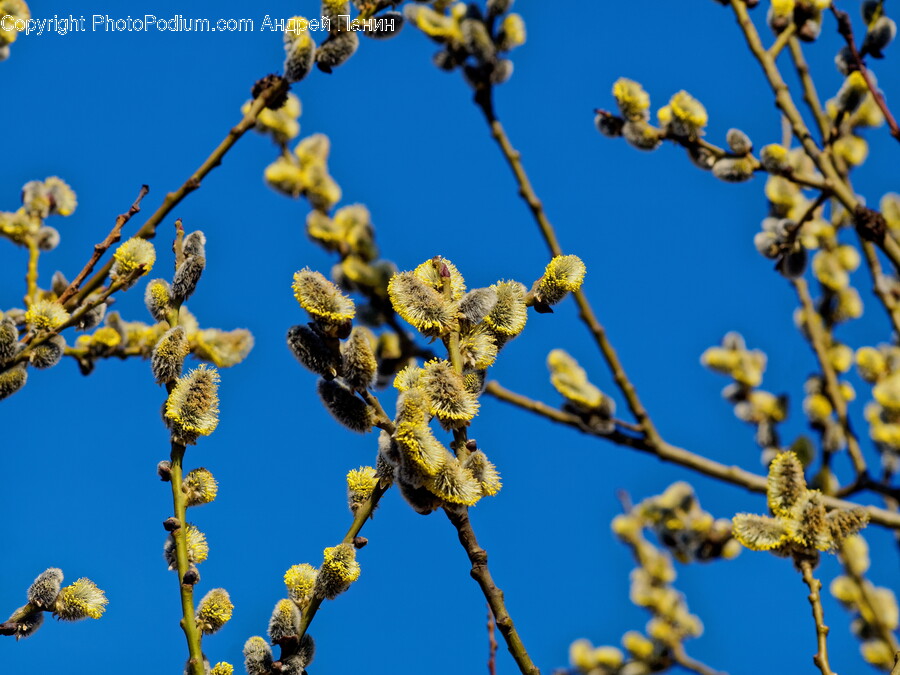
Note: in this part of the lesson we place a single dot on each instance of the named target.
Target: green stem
(31, 275)
(188, 621)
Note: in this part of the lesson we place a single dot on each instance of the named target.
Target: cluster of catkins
(306, 587)
(880, 366)
(800, 525)
(18, 12)
(756, 406)
(690, 534)
(79, 600)
(473, 39)
(342, 40)
(875, 610)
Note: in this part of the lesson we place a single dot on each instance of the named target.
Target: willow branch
(492, 643)
(815, 601)
(845, 28)
(99, 249)
(672, 454)
(688, 663)
(810, 95)
(363, 513)
(173, 199)
(480, 572)
(817, 338)
(188, 621)
(484, 100)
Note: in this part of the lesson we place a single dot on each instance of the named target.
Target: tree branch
(480, 572)
(815, 601)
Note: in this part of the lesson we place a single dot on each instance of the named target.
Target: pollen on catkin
(301, 581)
(484, 472)
(361, 483)
(420, 304)
(431, 275)
(345, 406)
(339, 569)
(46, 315)
(564, 274)
(80, 600)
(417, 444)
(214, 611)
(450, 402)
(284, 622)
(331, 309)
(509, 315)
(44, 589)
(197, 547)
(454, 483)
(759, 533)
(631, 98)
(478, 348)
(222, 668)
(168, 355)
(133, 259)
(199, 486)
(192, 408)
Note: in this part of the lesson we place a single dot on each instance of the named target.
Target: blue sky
(671, 268)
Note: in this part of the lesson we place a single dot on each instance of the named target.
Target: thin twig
(817, 338)
(815, 601)
(363, 513)
(682, 659)
(99, 249)
(783, 37)
(172, 199)
(675, 455)
(484, 100)
(492, 643)
(31, 275)
(845, 28)
(480, 572)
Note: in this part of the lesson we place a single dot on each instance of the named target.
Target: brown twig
(845, 28)
(815, 601)
(675, 455)
(99, 249)
(173, 199)
(480, 572)
(492, 643)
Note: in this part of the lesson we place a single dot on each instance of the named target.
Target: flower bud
(313, 350)
(738, 142)
(632, 100)
(49, 353)
(450, 402)
(336, 50)
(184, 283)
(733, 169)
(257, 656)
(420, 304)
(361, 483)
(12, 380)
(285, 621)
(9, 339)
(359, 363)
(880, 34)
(563, 275)
(345, 406)
(330, 309)
(46, 315)
(509, 315)
(300, 49)
(198, 549)
(43, 591)
(158, 299)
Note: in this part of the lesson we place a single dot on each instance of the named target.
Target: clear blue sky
(671, 268)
